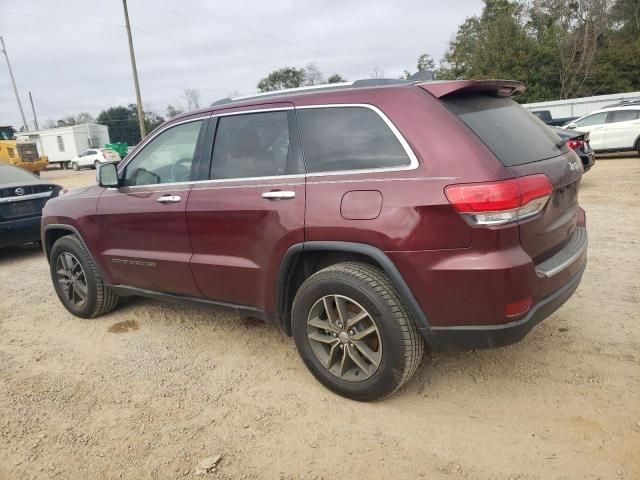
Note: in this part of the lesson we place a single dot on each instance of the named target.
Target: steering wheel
(181, 169)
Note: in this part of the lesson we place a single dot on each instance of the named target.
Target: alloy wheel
(71, 278)
(344, 338)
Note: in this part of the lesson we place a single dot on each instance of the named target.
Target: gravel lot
(152, 389)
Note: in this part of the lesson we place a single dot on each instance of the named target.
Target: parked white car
(612, 129)
(93, 156)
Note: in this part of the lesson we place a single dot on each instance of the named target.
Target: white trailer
(578, 107)
(63, 143)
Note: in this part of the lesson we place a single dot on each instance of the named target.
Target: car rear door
(622, 130)
(250, 211)
(144, 239)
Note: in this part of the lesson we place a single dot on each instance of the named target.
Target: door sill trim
(127, 291)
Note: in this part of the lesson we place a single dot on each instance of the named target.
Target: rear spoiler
(498, 88)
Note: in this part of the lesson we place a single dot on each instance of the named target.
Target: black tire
(99, 298)
(96, 163)
(75, 166)
(402, 346)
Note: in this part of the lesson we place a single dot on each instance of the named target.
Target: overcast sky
(82, 63)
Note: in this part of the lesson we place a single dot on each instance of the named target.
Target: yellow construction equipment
(21, 154)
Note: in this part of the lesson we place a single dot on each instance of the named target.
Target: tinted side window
(624, 115)
(165, 159)
(348, 138)
(251, 145)
(595, 119)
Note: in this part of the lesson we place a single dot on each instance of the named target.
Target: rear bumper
(464, 293)
(475, 337)
(16, 232)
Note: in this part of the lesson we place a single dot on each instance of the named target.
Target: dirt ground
(153, 388)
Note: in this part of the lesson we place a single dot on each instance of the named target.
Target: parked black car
(22, 197)
(579, 142)
(545, 116)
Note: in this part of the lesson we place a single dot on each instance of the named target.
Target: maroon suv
(365, 220)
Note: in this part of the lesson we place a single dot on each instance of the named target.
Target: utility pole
(143, 133)
(33, 109)
(15, 89)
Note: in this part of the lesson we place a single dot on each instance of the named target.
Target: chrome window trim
(150, 137)
(256, 110)
(413, 160)
(31, 196)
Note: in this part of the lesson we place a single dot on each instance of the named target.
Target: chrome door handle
(279, 195)
(168, 199)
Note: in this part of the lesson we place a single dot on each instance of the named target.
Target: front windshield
(6, 133)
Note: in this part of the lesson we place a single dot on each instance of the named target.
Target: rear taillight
(575, 144)
(497, 203)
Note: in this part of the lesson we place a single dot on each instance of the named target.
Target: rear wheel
(75, 166)
(96, 163)
(354, 333)
(77, 281)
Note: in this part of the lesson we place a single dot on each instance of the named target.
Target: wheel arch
(55, 231)
(303, 259)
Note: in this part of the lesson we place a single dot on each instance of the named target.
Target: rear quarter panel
(415, 213)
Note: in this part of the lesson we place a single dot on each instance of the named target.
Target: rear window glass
(10, 174)
(511, 132)
(348, 138)
(624, 115)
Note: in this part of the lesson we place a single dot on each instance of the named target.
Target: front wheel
(77, 280)
(353, 332)
(75, 166)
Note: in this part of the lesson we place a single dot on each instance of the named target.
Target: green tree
(173, 111)
(493, 45)
(287, 77)
(123, 123)
(425, 62)
(336, 78)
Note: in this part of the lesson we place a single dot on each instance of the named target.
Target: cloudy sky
(73, 55)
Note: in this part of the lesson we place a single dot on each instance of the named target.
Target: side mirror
(107, 175)
(571, 126)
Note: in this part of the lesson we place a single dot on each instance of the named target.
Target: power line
(255, 31)
(140, 30)
(51, 17)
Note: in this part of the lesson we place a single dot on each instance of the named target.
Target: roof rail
(274, 93)
(367, 82)
(623, 103)
(377, 82)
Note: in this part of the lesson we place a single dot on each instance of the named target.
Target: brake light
(575, 144)
(497, 203)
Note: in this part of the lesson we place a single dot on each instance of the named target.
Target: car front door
(623, 129)
(595, 125)
(144, 240)
(251, 210)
